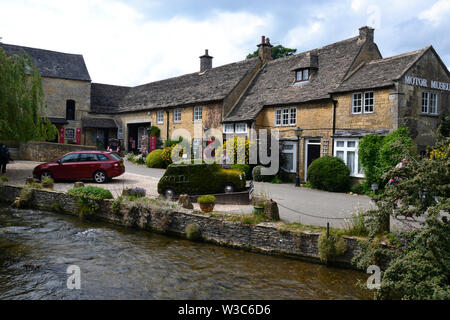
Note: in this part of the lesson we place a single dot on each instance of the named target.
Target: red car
(98, 165)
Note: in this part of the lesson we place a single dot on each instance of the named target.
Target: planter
(258, 210)
(207, 207)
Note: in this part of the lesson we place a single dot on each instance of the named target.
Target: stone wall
(266, 237)
(47, 151)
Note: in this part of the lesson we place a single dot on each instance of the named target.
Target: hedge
(330, 174)
(154, 159)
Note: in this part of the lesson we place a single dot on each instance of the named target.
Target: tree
(419, 266)
(277, 52)
(22, 101)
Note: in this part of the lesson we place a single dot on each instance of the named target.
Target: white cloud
(438, 13)
(120, 46)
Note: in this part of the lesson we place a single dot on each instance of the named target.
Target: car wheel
(100, 177)
(169, 194)
(46, 174)
(229, 188)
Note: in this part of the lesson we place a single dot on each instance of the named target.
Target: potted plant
(207, 203)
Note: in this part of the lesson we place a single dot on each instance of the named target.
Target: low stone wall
(47, 151)
(265, 237)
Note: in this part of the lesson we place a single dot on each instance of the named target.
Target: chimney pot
(263, 39)
(366, 33)
(265, 49)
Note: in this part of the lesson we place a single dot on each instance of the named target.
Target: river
(37, 247)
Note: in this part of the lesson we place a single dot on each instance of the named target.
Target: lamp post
(298, 133)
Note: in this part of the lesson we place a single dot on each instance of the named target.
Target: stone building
(67, 87)
(336, 94)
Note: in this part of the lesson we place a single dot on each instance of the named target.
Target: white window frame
(347, 149)
(238, 130)
(198, 113)
(160, 117)
(71, 136)
(354, 100)
(177, 115)
(366, 105)
(227, 126)
(430, 103)
(285, 117)
(293, 151)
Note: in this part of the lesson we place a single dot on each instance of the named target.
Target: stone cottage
(336, 94)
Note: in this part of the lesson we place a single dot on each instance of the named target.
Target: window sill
(432, 115)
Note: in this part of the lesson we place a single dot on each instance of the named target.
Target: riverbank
(168, 218)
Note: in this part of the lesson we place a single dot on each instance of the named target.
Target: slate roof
(53, 64)
(275, 84)
(358, 133)
(105, 98)
(213, 85)
(380, 73)
(98, 122)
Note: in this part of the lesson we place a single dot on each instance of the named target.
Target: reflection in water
(117, 263)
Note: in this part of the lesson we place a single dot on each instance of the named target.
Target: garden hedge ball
(329, 174)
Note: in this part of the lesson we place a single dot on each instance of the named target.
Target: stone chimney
(366, 34)
(265, 49)
(205, 62)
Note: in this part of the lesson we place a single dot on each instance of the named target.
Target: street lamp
(298, 133)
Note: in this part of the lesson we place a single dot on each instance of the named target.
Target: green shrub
(245, 168)
(368, 149)
(393, 149)
(130, 157)
(276, 180)
(4, 179)
(154, 131)
(257, 176)
(331, 247)
(91, 192)
(197, 179)
(169, 143)
(206, 199)
(154, 159)
(192, 232)
(330, 174)
(139, 159)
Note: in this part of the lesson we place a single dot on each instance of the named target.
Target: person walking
(5, 157)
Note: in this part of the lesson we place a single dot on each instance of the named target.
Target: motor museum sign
(415, 81)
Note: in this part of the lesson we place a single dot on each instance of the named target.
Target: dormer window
(302, 75)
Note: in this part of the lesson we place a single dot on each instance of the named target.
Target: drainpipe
(168, 122)
(334, 124)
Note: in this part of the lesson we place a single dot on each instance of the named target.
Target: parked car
(98, 165)
(196, 179)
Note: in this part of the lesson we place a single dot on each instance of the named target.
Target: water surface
(117, 263)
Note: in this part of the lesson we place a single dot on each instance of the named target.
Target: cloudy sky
(138, 41)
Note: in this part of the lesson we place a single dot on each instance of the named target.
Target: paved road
(306, 202)
(295, 204)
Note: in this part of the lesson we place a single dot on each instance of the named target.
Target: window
(113, 155)
(102, 157)
(70, 134)
(357, 103)
(73, 157)
(197, 113)
(425, 101)
(160, 117)
(228, 128)
(286, 117)
(177, 115)
(429, 103)
(70, 110)
(302, 75)
(368, 102)
(347, 150)
(289, 154)
(87, 157)
(241, 128)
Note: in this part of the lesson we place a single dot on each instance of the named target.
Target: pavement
(303, 205)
